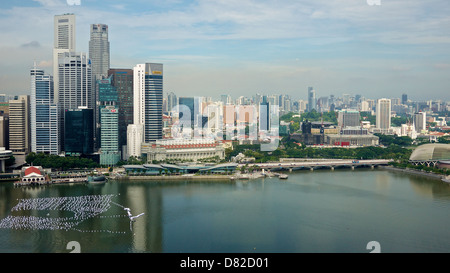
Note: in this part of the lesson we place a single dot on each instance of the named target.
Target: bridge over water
(319, 164)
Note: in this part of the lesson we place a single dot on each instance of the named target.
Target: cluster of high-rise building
(86, 108)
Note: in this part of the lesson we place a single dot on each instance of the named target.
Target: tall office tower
(64, 41)
(420, 121)
(100, 61)
(172, 102)
(75, 85)
(264, 114)
(348, 118)
(19, 125)
(383, 114)
(109, 120)
(122, 80)
(109, 135)
(188, 103)
(311, 99)
(148, 98)
(404, 98)
(99, 51)
(226, 99)
(44, 114)
(79, 131)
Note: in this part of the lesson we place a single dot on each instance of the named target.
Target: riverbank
(415, 172)
(173, 177)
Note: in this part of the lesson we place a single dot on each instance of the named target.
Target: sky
(244, 47)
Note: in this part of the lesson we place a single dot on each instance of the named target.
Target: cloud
(34, 44)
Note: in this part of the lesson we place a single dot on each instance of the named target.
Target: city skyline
(211, 48)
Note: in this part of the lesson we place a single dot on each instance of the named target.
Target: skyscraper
(404, 98)
(44, 114)
(122, 80)
(99, 51)
(311, 99)
(109, 135)
(172, 101)
(100, 61)
(148, 99)
(383, 119)
(64, 41)
(79, 131)
(420, 121)
(19, 125)
(75, 84)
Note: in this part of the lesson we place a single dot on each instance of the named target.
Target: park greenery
(60, 162)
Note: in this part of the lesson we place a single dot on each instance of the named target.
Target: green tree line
(59, 162)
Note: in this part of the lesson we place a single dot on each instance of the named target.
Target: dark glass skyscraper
(122, 80)
(79, 131)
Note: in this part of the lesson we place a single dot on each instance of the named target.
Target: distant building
(383, 117)
(420, 121)
(348, 118)
(311, 99)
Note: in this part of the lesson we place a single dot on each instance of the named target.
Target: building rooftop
(434, 151)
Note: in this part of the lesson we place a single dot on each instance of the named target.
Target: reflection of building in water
(147, 230)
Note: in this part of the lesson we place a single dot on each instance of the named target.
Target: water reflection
(320, 211)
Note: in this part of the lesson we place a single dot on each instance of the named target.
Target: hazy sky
(240, 47)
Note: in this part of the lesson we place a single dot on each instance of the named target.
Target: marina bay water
(312, 211)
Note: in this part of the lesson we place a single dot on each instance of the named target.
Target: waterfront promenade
(319, 164)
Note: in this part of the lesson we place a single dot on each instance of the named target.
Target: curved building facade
(430, 154)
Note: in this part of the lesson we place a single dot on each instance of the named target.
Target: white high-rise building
(64, 41)
(75, 81)
(383, 115)
(148, 99)
(135, 138)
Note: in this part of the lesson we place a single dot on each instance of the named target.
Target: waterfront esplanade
(157, 169)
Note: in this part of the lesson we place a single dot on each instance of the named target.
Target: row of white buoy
(35, 223)
(83, 207)
(79, 204)
(98, 231)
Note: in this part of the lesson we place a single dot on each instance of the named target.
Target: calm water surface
(320, 211)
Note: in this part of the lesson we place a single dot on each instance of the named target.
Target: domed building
(430, 154)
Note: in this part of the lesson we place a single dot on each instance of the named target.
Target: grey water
(319, 211)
